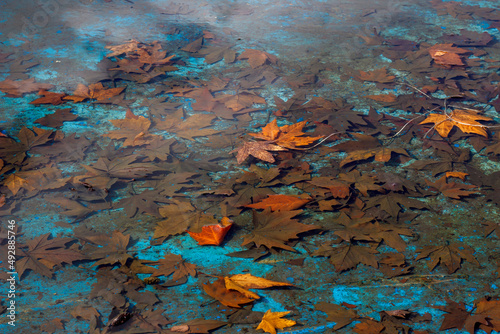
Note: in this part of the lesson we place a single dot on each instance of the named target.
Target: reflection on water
(334, 159)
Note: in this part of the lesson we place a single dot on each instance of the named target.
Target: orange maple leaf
(287, 136)
(212, 234)
(447, 54)
(94, 91)
(465, 120)
(280, 203)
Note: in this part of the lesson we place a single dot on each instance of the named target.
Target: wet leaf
(95, 91)
(231, 298)
(452, 189)
(273, 229)
(338, 314)
(212, 234)
(58, 118)
(381, 154)
(176, 265)
(19, 88)
(280, 203)
(43, 254)
(465, 120)
(272, 320)
(349, 256)
(451, 256)
(49, 98)
(258, 58)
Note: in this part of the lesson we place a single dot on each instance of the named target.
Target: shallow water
(378, 120)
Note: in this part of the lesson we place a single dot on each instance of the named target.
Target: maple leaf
(379, 75)
(280, 203)
(213, 54)
(241, 100)
(14, 151)
(382, 154)
(451, 256)
(44, 253)
(458, 317)
(465, 120)
(257, 58)
(105, 172)
(49, 98)
(128, 47)
(73, 208)
(348, 256)
(392, 203)
(145, 202)
(259, 150)
(447, 54)
(174, 264)
(338, 314)
(272, 320)
(58, 118)
(231, 298)
(180, 216)
(110, 250)
(133, 128)
(18, 88)
(452, 189)
(376, 232)
(187, 127)
(273, 229)
(286, 136)
(94, 91)
(212, 234)
(243, 282)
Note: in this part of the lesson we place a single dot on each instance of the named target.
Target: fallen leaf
(211, 234)
(231, 298)
(49, 98)
(58, 118)
(465, 120)
(258, 58)
(338, 314)
(19, 88)
(280, 203)
(452, 189)
(273, 229)
(259, 150)
(272, 320)
(451, 256)
(95, 91)
(43, 254)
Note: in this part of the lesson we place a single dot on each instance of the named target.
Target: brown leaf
(58, 118)
(20, 87)
(451, 256)
(338, 314)
(95, 91)
(49, 98)
(231, 298)
(44, 253)
(273, 229)
(280, 203)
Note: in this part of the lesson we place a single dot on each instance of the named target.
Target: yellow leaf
(463, 119)
(243, 282)
(272, 320)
